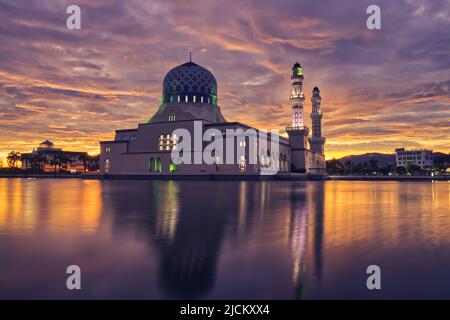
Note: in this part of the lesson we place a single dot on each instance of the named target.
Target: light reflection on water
(197, 239)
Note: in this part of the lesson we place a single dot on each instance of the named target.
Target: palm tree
(13, 159)
(37, 161)
(54, 163)
(62, 160)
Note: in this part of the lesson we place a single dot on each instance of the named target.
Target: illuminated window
(161, 142)
(151, 165)
(173, 167)
(158, 165)
(108, 149)
(242, 164)
(209, 100)
(171, 98)
(299, 71)
(185, 98)
(168, 142)
(107, 165)
(195, 99)
(174, 142)
(179, 99)
(201, 99)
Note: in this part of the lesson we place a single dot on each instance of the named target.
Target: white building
(49, 158)
(418, 157)
(190, 102)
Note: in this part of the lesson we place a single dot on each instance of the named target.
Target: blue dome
(190, 82)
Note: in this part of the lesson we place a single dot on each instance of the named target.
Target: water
(224, 240)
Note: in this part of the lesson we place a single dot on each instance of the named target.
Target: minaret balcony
(300, 96)
(295, 128)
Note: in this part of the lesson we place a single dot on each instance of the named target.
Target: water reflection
(254, 240)
(306, 233)
(49, 206)
(188, 229)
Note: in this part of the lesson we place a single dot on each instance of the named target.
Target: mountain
(381, 158)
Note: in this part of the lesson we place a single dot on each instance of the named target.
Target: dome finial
(190, 56)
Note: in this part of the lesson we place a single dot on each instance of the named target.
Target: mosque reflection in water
(189, 229)
(223, 239)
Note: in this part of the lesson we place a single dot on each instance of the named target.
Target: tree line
(36, 162)
(371, 167)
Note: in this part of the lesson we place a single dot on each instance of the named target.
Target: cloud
(384, 87)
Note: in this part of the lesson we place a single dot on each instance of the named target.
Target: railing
(296, 128)
(298, 96)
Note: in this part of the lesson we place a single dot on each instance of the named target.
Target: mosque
(190, 103)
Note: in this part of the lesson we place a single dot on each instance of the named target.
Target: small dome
(46, 144)
(189, 80)
(316, 89)
(297, 71)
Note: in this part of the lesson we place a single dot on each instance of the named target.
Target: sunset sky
(380, 89)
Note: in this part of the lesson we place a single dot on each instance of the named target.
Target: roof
(48, 143)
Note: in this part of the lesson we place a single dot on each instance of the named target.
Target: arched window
(151, 165)
(158, 167)
(173, 167)
(107, 165)
(174, 141)
(168, 142)
(242, 164)
(179, 98)
(195, 99)
(161, 142)
(201, 99)
(186, 98)
(171, 116)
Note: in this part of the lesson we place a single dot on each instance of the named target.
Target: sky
(381, 89)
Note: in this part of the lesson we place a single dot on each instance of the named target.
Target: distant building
(418, 157)
(50, 158)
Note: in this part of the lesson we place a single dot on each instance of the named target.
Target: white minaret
(297, 132)
(316, 142)
(297, 96)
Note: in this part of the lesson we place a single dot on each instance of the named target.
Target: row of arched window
(168, 142)
(155, 165)
(279, 162)
(192, 98)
